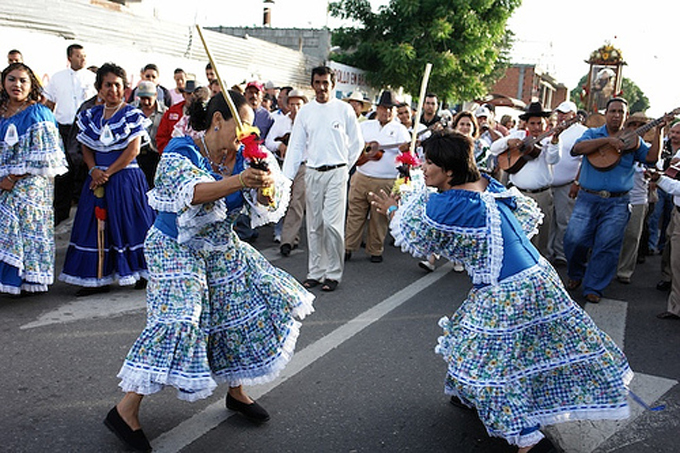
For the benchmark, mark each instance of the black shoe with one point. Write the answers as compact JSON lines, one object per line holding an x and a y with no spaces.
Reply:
{"x":141,"y":283}
{"x":135,"y":440}
{"x":253,"y":411}
{"x":285,"y":249}
{"x":87,"y":291}
{"x":458,"y":403}
{"x":663,"y":285}
{"x":348,"y":255}
{"x":376,"y":258}
{"x":544,"y":446}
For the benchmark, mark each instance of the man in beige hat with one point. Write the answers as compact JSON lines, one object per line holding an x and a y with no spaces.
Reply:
{"x":359,"y":104}
{"x":288,"y":229}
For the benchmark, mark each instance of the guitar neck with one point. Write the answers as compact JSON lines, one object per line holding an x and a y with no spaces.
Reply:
{"x":652,"y":124}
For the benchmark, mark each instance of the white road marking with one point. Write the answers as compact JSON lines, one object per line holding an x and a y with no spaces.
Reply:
{"x":192,"y":429}
{"x":115,"y":303}
{"x":586,"y":436}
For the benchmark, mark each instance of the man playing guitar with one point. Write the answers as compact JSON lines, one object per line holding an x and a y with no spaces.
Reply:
{"x":535,"y":177}
{"x":601,"y":212}
{"x":374,"y":175}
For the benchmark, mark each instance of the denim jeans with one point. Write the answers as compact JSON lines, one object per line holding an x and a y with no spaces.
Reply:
{"x":658,"y":221}
{"x":597,"y":225}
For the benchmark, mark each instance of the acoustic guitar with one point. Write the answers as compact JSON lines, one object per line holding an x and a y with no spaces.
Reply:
{"x":513,"y":159}
{"x":608,"y":156}
{"x":373,"y":151}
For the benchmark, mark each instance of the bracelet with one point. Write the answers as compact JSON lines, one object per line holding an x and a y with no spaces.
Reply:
{"x":576,"y":182}
{"x":10,"y":179}
{"x":96,"y":167}
{"x":240,"y":178}
{"x":391,"y":209}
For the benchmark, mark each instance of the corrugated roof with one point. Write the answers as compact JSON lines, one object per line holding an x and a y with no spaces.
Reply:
{"x":92,"y":22}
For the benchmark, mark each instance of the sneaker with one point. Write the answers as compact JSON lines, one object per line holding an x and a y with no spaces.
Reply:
{"x":458,"y":266}
{"x":427,"y":266}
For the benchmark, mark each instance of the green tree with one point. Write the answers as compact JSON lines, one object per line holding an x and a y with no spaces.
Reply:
{"x":465,"y":40}
{"x":637,"y":101}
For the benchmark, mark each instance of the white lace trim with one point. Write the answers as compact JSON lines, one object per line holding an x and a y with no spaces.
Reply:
{"x":128,"y":280}
{"x":261,"y":215}
{"x":23,"y":169}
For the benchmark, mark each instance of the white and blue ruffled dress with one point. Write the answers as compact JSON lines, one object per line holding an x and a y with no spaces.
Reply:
{"x":128,"y":215}
{"x":519,"y":349}
{"x":217,"y":311}
{"x":30,"y":146}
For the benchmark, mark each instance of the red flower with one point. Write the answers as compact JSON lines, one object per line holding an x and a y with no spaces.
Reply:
{"x":408,"y":159}
{"x":100,"y":213}
{"x":252,"y":149}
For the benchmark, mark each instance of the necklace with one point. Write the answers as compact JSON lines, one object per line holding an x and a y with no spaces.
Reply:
{"x":5,"y":109}
{"x":221,"y":167}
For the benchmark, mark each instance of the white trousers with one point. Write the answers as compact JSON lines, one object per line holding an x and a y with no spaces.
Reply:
{"x":326,"y":204}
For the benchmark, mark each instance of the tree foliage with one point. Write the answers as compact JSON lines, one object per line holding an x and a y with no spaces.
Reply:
{"x":637,"y":101}
{"x":465,"y":40}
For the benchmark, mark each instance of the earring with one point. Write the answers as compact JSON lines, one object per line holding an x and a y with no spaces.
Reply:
{"x":217,"y":128}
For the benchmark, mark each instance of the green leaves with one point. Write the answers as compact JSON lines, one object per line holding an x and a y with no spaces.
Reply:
{"x":463,"y":39}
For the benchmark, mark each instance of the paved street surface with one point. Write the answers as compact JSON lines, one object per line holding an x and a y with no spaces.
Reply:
{"x":365,"y":377}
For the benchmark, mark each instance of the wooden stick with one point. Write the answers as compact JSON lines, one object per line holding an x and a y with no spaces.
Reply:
{"x":234,"y":112}
{"x":419,"y":110}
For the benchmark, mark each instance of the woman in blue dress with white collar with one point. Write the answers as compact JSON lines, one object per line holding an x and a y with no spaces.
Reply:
{"x":519,"y":350}
{"x":113,"y":217}
{"x":31,"y":156}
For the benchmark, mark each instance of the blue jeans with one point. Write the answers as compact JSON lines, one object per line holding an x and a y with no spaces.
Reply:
{"x":659,"y":219}
{"x":598,"y":224}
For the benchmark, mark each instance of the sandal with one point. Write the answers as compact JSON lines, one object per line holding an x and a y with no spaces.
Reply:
{"x":311,"y":283}
{"x":667,"y":315}
{"x":329,"y":285}
{"x":573,"y":284}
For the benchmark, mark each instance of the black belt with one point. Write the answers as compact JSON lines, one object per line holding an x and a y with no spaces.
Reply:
{"x":562,"y":185}
{"x":328,"y":167}
{"x":542,"y":189}
{"x":605,"y":193}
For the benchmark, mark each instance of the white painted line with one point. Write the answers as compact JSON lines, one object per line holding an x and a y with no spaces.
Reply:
{"x":585,"y":436}
{"x":610,"y":316}
{"x":195,"y":427}
{"x":115,"y":303}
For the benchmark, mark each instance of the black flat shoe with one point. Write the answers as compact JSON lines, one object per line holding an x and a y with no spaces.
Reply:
{"x":458,"y":403}
{"x":135,"y":440}
{"x":253,"y":411}
{"x":87,"y":291}
{"x":544,"y":446}
{"x":141,"y":283}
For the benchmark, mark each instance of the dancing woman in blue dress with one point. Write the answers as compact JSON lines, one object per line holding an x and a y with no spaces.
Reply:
{"x":113,"y":217}
{"x":217,"y":311}
{"x":519,"y":349}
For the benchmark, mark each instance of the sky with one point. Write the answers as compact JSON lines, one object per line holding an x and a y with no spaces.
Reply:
{"x":557,"y":35}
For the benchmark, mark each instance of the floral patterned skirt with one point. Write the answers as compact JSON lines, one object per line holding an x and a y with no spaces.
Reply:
{"x":27,"y":236}
{"x":524,"y":354}
{"x":213,"y":316}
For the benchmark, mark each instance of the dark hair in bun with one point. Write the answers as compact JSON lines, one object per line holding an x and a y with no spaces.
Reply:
{"x":201,"y":113}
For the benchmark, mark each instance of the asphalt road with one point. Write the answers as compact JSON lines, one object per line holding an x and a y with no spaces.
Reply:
{"x":365,"y":376}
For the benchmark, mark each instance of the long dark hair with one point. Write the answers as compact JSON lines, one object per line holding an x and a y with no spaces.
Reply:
{"x":36,"y":90}
{"x":452,"y":152}
{"x":201,"y":114}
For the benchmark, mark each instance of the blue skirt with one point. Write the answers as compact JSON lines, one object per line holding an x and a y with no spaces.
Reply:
{"x":128,"y":218}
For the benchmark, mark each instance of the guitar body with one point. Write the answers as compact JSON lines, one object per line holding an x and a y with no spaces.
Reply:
{"x":608,"y":157}
{"x":371,"y":152}
{"x":513,"y":159}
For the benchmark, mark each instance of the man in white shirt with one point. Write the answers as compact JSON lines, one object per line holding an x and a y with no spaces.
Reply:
{"x":535,"y":177}
{"x":65,"y":92}
{"x":326,"y":134}
{"x":277,"y":143}
{"x":565,"y":181}
{"x":374,"y":176}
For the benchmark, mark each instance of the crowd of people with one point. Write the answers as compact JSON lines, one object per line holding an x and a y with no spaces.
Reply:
{"x":170,"y":188}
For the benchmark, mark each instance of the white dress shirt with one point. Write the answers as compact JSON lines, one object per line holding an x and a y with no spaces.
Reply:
{"x":537,"y":173}
{"x":68,"y":89}
{"x":566,"y":169}
{"x":391,"y":133}
{"x":282,"y":125}
{"x":323,"y":134}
